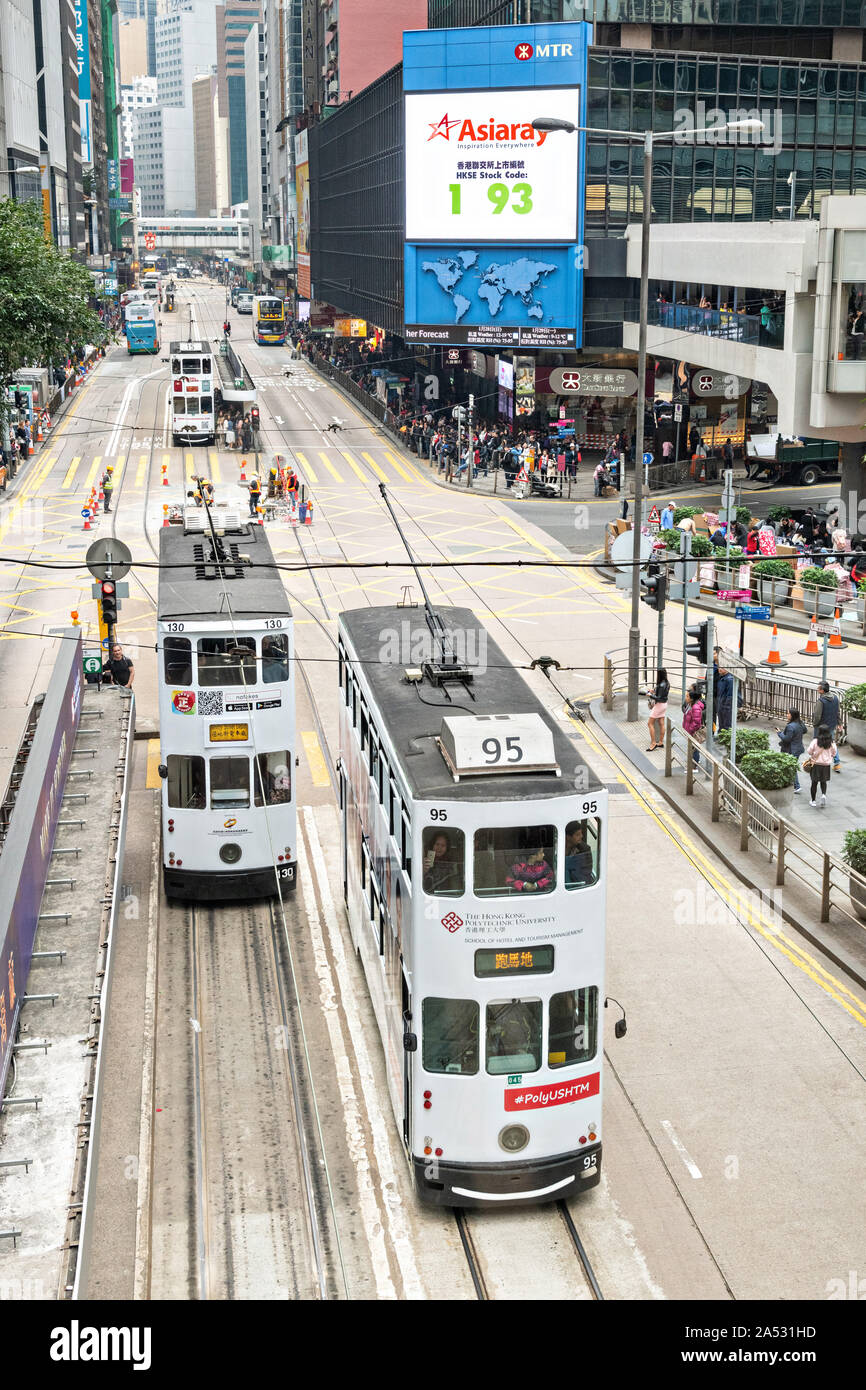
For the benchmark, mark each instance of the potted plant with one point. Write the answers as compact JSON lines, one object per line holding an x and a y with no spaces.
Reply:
{"x":772,"y":774}
{"x":702,"y":547}
{"x":748,"y":741}
{"x":778,"y":512}
{"x":680,"y":513}
{"x":725,"y":561}
{"x":671,"y":538}
{"x":773,"y":580}
{"x":854,"y":854}
{"x":819,"y":591}
{"x":743,"y":515}
{"x":854,"y":705}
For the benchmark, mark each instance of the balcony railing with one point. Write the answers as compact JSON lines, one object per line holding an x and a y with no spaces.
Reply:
{"x":715,"y":323}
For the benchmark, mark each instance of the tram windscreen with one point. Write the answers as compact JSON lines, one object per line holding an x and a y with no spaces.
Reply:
{"x":229,"y":783}
{"x":226,"y":661}
{"x":581,"y":852}
{"x":185,"y":782}
{"x":514,"y":1036}
{"x":573,"y":1030}
{"x":518,"y":860}
{"x":449,"y":1029}
{"x":177,"y":660}
{"x":444,"y":856}
{"x":273,"y":779}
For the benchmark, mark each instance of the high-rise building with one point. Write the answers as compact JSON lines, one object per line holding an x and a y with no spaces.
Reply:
{"x":354,"y":42}
{"x":140,"y":92}
{"x":234,"y":20}
{"x":132,"y":49}
{"x":210,"y":142}
{"x":258,"y":182}
{"x":146,"y":10}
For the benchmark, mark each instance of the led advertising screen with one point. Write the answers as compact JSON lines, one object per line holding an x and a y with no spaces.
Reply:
{"x":494,"y":207}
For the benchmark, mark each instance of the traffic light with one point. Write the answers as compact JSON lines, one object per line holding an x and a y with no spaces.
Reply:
{"x":656,"y":584}
{"x":699,"y":648}
{"x":108,"y":602}
{"x":254,"y":417}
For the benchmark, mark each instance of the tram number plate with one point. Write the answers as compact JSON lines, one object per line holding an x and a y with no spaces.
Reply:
{"x":229,"y":733}
{"x":286,"y":871}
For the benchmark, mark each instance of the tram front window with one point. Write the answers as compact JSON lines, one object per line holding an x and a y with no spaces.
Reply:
{"x":273,"y":779}
{"x":185,"y":782}
{"x":449,"y":1030}
{"x":443,"y":853}
{"x":519,"y":860}
{"x":573,"y":1030}
{"x":514,"y":1036}
{"x":275,"y":659}
{"x":581,"y":853}
{"x":226,"y":661}
{"x":229,"y":783}
{"x":177,"y":660}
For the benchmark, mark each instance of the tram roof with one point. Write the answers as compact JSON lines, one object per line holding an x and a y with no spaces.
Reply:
{"x":255,"y":591}
{"x":413,"y":726}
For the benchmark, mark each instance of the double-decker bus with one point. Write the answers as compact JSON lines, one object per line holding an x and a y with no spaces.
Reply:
{"x":192,"y":386}
{"x":140,"y":327}
{"x":269,"y":319}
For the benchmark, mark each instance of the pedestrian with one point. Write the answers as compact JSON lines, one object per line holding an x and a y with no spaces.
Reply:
{"x":107,"y":487}
{"x":120,"y":669}
{"x":693,"y":718}
{"x":658,"y":703}
{"x":597,"y":477}
{"x":827,"y":712}
{"x":230,"y":432}
{"x":724,"y":694}
{"x":791,"y":739}
{"x":819,"y":755}
{"x":728,"y":453}
{"x":667,"y":520}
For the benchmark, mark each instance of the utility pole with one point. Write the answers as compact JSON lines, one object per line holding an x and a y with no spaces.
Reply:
{"x":685,"y":551}
{"x":711,"y":642}
{"x":634,"y":627}
{"x":471,"y":449}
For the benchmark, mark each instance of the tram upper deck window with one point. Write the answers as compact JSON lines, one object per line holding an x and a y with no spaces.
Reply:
{"x":229,"y":783}
{"x":193,"y":366}
{"x":443,"y":853}
{"x":185,"y":782}
{"x":514,"y":1036}
{"x":275,"y":659}
{"x":581,"y":853}
{"x":573,"y":1028}
{"x":273,"y":779}
{"x":175,"y":366}
{"x":226,"y":661}
{"x":177,"y":660}
{"x":180,"y":405}
{"x":519,"y":860}
{"x":449,"y":1036}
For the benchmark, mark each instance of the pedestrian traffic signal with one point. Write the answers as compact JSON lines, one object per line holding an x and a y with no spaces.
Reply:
{"x":655,"y":581}
{"x":699,"y":648}
{"x":108,"y":601}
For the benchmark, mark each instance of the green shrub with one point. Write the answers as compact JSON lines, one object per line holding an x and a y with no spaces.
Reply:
{"x":680,"y":513}
{"x":671,"y":538}
{"x":778,"y":513}
{"x":735,"y":552}
{"x":854,"y":701}
{"x":743,"y":515}
{"x":702,"y":547}
{"x":861,"y":586}
{"x":813,"y":577}
{"x":769,"y":771}
{"x":773,"y":569}
{"x":854,"y":850}
{"x":748,"y":741}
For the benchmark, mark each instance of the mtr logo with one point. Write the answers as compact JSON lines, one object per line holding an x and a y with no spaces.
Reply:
{"x":524,"y":51}
{"x":487,"y":131}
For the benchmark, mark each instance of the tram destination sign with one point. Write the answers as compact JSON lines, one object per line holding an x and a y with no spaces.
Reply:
{"x":229,"y":733}
{"x":534,"y":960}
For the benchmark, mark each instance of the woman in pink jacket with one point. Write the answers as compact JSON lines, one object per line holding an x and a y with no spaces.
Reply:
{"x":822,"y":751}
{"x":693,"y":719}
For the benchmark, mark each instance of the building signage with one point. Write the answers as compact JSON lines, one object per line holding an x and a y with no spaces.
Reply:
{"x":596,"y":381}
{"x":82,"y":45}
{"x":302,"y":194}
{"x":706,"y":383}
{"x":506,"y":374}
{"x":524,"y":385}
{"x":494,"y":207}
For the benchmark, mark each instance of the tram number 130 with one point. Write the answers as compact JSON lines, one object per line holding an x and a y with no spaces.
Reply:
{"x":286,"y":871}
{"x":495,"y":753}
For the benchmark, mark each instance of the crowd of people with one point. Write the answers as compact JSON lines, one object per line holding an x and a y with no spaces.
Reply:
{"x":236,"y":430}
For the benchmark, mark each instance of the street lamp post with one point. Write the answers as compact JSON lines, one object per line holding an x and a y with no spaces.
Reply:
{"x":648,"y":139}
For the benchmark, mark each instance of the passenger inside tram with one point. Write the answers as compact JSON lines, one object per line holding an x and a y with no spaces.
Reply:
{"x":443,"y":861}
{"x":275,"y":659}
{"x":579,"y":864}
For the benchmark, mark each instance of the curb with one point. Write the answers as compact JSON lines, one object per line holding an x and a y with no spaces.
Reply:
{"x":814,"y":933}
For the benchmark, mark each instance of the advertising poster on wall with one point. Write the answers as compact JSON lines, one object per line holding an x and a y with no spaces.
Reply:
{"x":494,"y":207}
{"x":302,"y":194}
{"x":82,"y":45}
{"x":524,"y":385}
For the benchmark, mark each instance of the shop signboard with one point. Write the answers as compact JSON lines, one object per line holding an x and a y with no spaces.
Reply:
{"x":82,"y":45}
{"x":494,"y":208}
{"x":592,"y":381}
{"x":302,"y":194}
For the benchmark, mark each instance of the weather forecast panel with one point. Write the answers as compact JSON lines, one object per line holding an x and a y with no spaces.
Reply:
{"x":477,"y":169}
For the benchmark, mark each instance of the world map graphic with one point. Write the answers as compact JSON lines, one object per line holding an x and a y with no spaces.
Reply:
{"x":524,"y":278}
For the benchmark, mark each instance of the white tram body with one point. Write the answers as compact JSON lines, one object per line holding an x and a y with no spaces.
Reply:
{"x":226,"y":712}
{"x":473,"y":856}
{"x":192,"y":388}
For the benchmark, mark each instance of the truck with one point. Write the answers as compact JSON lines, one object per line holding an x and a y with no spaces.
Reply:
{"x":792,"y":460}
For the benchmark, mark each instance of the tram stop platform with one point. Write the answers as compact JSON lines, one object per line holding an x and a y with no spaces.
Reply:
{"x":62,"y":831}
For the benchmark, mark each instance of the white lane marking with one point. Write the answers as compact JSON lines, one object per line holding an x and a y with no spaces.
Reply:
{"x":370,"y":1210}
{"x":681,"y":1149}
{"x":380,"y":1128}
{"x":165,"y":417}
{"x":138,"y":381}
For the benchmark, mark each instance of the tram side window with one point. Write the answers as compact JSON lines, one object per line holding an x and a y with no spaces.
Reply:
{"x":518,"y":860}
{"x":273,"y":779}
{"x":177,"y":660}
{"x":179,"y":405}
{"x":206,"y":405}
{"x":365,"y":728}
{"x":275,"y":659}
{"x":405,"y":843}
{"x":175,"y":366}
{"x":514,"y":1036}
{"x":374,"y":761}
{"x":185,"y":782}
{"x":229,"y":783}
{"x":449,"y":1029}
{"x":444,"y":856}
{"x":582,"y":842}
{"x":226,"y":661}
{"x":573,"y":1030}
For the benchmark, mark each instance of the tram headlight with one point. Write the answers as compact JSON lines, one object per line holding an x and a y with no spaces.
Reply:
{"x":513,"y":1138}
{"x":230,"y":854}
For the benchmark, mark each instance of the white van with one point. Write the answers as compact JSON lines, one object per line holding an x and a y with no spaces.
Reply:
{"x":245,"y":303}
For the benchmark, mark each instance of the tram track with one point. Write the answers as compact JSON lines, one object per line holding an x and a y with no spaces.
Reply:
{"x":490,"y":1240}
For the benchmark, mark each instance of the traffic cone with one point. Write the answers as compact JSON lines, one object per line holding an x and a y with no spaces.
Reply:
{"x":30,"y":448}
{"x":773,"y":658}
{"x":39,"y":435}
{"x":308,"y":519}
{"x":46,"y":423}
{"x":101,"y":493}
{"x":165,"y":515}
{"x":836,"y":643}
{"x":243,"y":470}
{"x":811,"y":648}
{"x":86,"y":526}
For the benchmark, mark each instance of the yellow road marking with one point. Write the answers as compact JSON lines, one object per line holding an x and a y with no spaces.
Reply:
{"x":215,"y":474}
{"x":92,"y":472}
{"x":305,"y":465}
{"x":118,"y":467}
{"x":416,"y":472}
{"x":738,"y":905}
{"x":152,"y":778}
{"x":375,"y":467}
{"x":330,"y":467}
{"x":399,"y":467}
{"x":71,"y":471}
{"x":316,"y":759}
{"x":189,"y":465}
{"x":140,"y":471}
{"x":352,"y":464}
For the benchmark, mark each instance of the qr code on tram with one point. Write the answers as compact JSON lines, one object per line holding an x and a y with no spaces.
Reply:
{"x":210,"y":702}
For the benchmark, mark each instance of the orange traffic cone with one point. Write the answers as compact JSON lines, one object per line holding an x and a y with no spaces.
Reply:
{"x":243,"y":470}
{"x":811,"y":648}
{"x":308,"y":519}
{"x":165,"y":515}
{"x":46,"y":423}
{"x":773,"y":658}
{"x":30,"y":448}
{"x":86,"y":526}
{"x":836,"y":643}
{"x":39,"y":435}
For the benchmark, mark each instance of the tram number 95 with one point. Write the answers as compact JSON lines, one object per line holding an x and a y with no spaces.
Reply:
{"x":494,"y":752}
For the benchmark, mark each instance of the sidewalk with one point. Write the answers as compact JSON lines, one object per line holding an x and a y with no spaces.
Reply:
{"x":843,"y":943}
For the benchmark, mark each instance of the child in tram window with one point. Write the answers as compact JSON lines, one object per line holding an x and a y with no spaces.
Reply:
{"x":531,"y":875}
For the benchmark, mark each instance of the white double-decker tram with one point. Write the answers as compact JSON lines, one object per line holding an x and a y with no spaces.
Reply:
{"x":226,"y":711}
{"x":474,"y":845}
{"x":192,"y":390}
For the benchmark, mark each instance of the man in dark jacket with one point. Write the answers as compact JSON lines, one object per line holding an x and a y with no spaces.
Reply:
{"x":827,"y":712}
{"x":725,"y":698}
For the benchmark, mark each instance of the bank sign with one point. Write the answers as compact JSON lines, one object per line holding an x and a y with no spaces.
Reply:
{"x":494,"y":207}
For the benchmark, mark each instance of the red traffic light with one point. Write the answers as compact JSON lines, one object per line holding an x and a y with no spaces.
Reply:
{"x":107,"y":587}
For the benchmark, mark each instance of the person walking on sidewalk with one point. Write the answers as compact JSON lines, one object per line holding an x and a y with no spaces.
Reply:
{"x":658,"y":700}
{"x":693,"y":718}
{"x":820,"y":753}
{"x":791,"y":739}
{"x":827,"y":712}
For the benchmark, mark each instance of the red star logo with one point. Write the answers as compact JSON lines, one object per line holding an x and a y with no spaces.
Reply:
{"x":442,"y":128}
